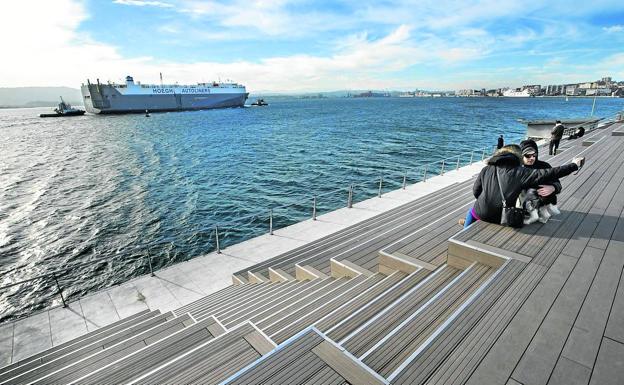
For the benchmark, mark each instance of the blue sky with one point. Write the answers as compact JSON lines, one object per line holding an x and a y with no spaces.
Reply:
{"x":281,"y":45}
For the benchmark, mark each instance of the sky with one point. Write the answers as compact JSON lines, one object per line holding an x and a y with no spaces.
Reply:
{"x":309,"y":46}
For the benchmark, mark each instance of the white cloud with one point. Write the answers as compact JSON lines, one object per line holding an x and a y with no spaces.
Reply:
{"x":614,"y":28}
{"x":142,"y":3}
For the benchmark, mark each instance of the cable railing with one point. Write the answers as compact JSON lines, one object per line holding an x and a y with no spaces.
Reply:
{"x":420,"y":173}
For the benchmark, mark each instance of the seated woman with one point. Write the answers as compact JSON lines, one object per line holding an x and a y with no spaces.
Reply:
{"x":539,"y":201}
{"x":506,"y":166}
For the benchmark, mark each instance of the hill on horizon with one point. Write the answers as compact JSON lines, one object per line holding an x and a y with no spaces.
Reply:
{"x":38,"y":96}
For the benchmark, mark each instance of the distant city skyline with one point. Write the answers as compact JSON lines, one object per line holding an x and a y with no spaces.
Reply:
{"x":309,"y":46}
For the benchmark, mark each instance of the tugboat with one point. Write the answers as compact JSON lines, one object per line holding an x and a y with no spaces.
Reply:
{"x":63,"y":109}
{"x":260,"y":103}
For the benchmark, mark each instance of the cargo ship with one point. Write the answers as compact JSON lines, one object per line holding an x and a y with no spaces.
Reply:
{"x":131,"y":97}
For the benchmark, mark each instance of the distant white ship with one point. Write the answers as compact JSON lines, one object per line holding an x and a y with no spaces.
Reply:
{"x":115,"y":98}
{"x":512,"y":93}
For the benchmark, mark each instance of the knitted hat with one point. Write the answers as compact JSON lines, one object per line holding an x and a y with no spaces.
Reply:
{"x":528,"y":147}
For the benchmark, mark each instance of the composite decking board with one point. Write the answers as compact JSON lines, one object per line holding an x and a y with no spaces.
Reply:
{"x":345,"y":235}
{"x":300,"y":301}
{"x":254,"y":308}
{"x":469,"y":352}
{"x":254,"y":290}
{"x":207,"y":359}
{"x":370,"y":244}
{"x":609,"y":368}
{"x":584,"y":339}
{"x":421,"y":367}
{"x":313,"y":304}
{"x":265,"y":369}
{"x":325,"y":376}
{"x":615,"y":324}
{"x":368,"y":251}
{"x":267,"y":290}
{"x":387,"y":357}
{"x":226,"y":292}
{"x":344,"y":311}
{"x":322,"y":310}
{"x":264,"y":310}
{"x":539,"y":359}
{"x":303,"y":368}
{"x":375,"y":331}
{"x":416,"y":239}
{"x":47,"y":363}
{"x":604,"y":232}
{"x":79,"y":363}
{"x":421,"y":243}
{"x":283,"y":289}
{"x":384,"y":299}
{"x":84,"y":340}
{"x":298,"y":296}
{"x":151,"y":356}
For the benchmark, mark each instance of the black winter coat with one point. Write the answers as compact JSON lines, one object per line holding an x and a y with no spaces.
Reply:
{"x":514,"y":178}
{"x":541,"y":165}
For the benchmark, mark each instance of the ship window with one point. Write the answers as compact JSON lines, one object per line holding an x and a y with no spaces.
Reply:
{"x":88,"y":97}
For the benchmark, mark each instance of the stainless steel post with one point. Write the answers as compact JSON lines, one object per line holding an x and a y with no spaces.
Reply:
{"x":442,"y":169}
{"x":217,"y":239}
{"x":483,"y":155}
{"x":471,"y":156}
{"x":458,"y":159}
{"x":425,"y":174}
{"x":404,"y":180}
{"x":149,"y":261}
{"x":270,"y":221}
{"x":350,"y":199}
{"x":314,"y":208}
{"x":380,"y":186}
{"x":60,"y":292}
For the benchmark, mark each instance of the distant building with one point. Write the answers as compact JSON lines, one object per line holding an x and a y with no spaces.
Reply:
{"x":572,"y":90}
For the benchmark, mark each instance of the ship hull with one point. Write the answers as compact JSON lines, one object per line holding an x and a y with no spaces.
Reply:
{"x":103,"y":99}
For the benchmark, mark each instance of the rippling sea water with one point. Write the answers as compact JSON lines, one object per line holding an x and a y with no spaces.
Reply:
{"x":78,"y":191}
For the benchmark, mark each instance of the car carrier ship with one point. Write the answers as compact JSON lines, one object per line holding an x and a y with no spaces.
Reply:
{"x":131,"y":97}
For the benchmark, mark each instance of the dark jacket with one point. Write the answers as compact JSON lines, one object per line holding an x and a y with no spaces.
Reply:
{"x":514,"y":178}
{"x":557,"y":132}
{"x":541,"y":165}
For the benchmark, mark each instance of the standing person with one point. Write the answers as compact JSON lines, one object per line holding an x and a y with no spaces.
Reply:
{"x":540,"y":200}
{"x":555,"y":137}
{"x":506,"y":166}
{"x":501,"y":143}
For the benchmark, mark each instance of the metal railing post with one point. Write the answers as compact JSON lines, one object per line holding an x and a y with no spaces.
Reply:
{"x":58,"y":287}
{"x":458,"y":159}
{"x":217,"y":239}
{"x":404,"y":180}
{"x":442,"y":169}
{"x":314,"y":208}
{"x":483,"y":155}
{"x":471,"y":156}
{"x":270,"y":221}
{"x":149,"y":261}
{"x":350,"y":199}
{"x":380,"y":186}
{"x":425,"y":174}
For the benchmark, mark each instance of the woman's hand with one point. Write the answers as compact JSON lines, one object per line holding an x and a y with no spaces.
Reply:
{"x":545,"y":190}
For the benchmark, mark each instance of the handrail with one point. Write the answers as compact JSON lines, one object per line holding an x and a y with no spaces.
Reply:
{"x":422,"y":170}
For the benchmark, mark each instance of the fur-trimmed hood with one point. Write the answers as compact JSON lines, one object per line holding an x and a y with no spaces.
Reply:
{"x":510,"y":155}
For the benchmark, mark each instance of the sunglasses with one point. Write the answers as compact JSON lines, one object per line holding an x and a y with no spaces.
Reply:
{"x":528,"y":156}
